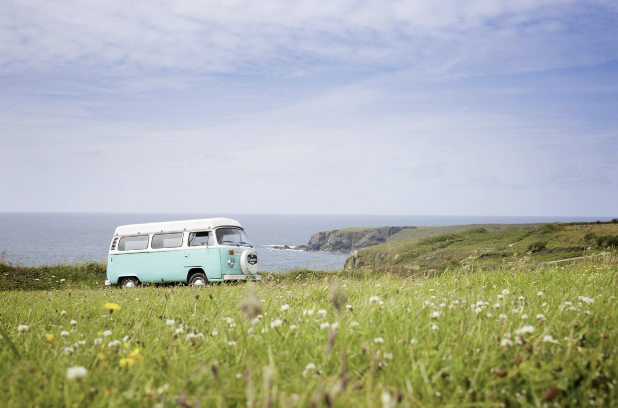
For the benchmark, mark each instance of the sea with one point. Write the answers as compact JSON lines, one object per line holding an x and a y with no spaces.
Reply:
{"x":31,"y":239}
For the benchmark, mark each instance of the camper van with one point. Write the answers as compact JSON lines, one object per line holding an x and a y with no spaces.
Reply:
{"x":194,"y":252}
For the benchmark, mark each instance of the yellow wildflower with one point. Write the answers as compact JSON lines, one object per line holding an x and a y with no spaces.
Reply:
{"x":133,"y":357}
{"x":49,"y":337}
{"x":101,"y":356}
{"x":111,"y":306}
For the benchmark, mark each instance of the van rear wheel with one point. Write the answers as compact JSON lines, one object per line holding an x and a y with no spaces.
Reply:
{"x":128,"y":283}
{"x":197,"y":279}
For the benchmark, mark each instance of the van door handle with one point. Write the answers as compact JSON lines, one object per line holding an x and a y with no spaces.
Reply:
{"x":186,"y":255}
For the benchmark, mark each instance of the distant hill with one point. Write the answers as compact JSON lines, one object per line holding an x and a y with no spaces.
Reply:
{"x":486,"y":246}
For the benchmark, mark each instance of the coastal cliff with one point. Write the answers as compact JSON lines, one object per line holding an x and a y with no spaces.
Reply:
{"x":346,"y":239}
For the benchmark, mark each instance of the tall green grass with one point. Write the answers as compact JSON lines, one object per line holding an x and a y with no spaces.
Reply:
{"x":385,"y":340}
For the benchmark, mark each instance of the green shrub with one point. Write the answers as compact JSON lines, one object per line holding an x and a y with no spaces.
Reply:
{"x":590,"y":237}
{"x":537,"y":246}
{"x":607,"y":241}
{"x":550,"y":228}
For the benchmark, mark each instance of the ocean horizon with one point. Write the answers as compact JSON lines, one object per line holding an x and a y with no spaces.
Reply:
{"x":36,"y":238}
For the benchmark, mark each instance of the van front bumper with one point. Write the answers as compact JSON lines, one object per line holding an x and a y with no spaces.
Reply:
{"x":242,"y":277}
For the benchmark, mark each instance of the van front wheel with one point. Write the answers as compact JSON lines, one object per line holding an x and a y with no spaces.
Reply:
{"x":197,"y":279}
{"x":129,"y":283}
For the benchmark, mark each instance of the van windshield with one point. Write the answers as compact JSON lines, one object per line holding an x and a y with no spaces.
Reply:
{"x":232,"y":236}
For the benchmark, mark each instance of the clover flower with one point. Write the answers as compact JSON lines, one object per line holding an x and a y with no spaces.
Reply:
{"x":76,"y":373}
{"x":354,"y":325}
{"x":349,"y":307}
{"x":107,"y":333}
{"x":64,"y":333}
{"x":525,"y":330}
{"x":308,"y":369}
{"x":293,"y":327}
{"x":505,"y":292}
{"x":374,"y":300}
{"x":170,"y":322}
{"x":321,"y":313}
{"x":179,"y":330}
{"x":285,"y":308}
{"x":63,"y":313}
{"x":378,"y":340}
{"x":324,"y":325}
{"x":435,"y":315}
{"x":540,"y":317}
{"x":214,"y":333}
{"x":586,"y":300}
{"x":496,"y":305}
{"x":434,"y":327}
{"x":22,"y":328}
{"x":114,"y":343}
{"x":276,"y":323}
{"x":549,"y":339}
{"x":68,"y":351}
{"x":73,"y":322}
{"x":506,"y":342}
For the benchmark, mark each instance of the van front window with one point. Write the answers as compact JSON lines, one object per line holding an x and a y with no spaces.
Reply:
{"x":232,"y":236}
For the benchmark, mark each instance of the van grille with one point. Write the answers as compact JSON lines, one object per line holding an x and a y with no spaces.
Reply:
{"x":114,"y":243}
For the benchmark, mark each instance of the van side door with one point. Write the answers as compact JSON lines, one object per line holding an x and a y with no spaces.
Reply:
{"x":202,"y":253}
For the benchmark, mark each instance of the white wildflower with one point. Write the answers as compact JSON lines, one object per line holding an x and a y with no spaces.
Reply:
{"x":525,"y":330}
{"x":478,"y":310}
{"x":285,"y":308}
{"x":255,"y":321}
{"x":506,"y":342}
{"x":98,"y":341}
{"x":324,"y":325}
{"x":434,"y":327}
{"x":308,"y":369}
{"x":414,"y":342}
{"x":349,"y":307}
{"x":64,"y":333}
{"x":22,"y":328}
{"x":125,"y":339}
{"x":63,"y":313}
{"x":500,"y":297}
{"x":107,"y":333}
{"x":374,"y":300}
{"x":524,"y":316}
{"x":81,"y":343}
{"x":76,"y":373}
{"x":321,"y":313}
{"x":388,"y":356}
{"x":549,"y":339}
{"x":73,"y":322}
{"x":378,"y":340}
{"x":540,"y":294}
{"x":190,"y":336}
{"x":496,"y":305}
{"x":214,"y":333}
{"x":231,"y":343}
{"x":586,"y":300}
{"x":170,"y":322}
{"x":540,"y":317}
{"x":435,"y":315}
{"x":308,"y":312}
{"x":293,"y":327}
{"x":179,"y":330}
{"x":276,"y":323}
{"x":488,"y":315}
{"x":68,"y":350}
{"x":505,"y":292}
{"x":114,"y":343}
{"x":354,"y":325}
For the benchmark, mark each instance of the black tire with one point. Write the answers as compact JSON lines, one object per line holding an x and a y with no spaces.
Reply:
{"x":128,"y":283}
{"x":197,"y":279}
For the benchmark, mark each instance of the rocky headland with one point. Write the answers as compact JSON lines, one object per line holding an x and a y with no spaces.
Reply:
{"x":347,"y":239}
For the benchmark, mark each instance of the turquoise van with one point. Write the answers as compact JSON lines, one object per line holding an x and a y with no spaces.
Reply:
{"x":194,"y":252}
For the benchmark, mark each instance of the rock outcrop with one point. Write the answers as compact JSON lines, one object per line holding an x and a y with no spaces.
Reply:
{"x":345,"y":240}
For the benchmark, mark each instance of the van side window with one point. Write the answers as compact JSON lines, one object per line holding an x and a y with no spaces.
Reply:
{"x":160,"y":241}
{"x":202,"y":238}
{"x":133,"y":243}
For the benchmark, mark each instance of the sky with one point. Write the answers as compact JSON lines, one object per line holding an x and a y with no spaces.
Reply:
{"x":446,"y":107}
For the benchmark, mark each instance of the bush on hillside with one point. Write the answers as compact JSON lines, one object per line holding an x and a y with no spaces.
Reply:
{"x":537,"y":246}
{"x":607,"y":241}
{"x":590,"y":237}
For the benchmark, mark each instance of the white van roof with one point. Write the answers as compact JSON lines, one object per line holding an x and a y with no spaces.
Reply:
{"x":175,"y":226}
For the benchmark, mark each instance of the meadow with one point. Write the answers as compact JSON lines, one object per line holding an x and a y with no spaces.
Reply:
{"x":521,"y":335}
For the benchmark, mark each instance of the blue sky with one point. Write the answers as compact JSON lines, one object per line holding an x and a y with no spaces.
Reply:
{"x":363,"y":107}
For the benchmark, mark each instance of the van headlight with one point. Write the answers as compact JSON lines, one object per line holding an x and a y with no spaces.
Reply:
{"x":231,"y":263}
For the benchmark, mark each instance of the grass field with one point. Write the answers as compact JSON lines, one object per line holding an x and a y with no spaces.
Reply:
{"x":516,"y":336}
{"x":489,"y":247}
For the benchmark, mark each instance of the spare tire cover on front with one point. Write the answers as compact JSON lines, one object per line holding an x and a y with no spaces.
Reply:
{"x":249,"y":262}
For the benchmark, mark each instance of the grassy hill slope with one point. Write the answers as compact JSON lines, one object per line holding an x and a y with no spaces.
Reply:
{"x":483,"y":247}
